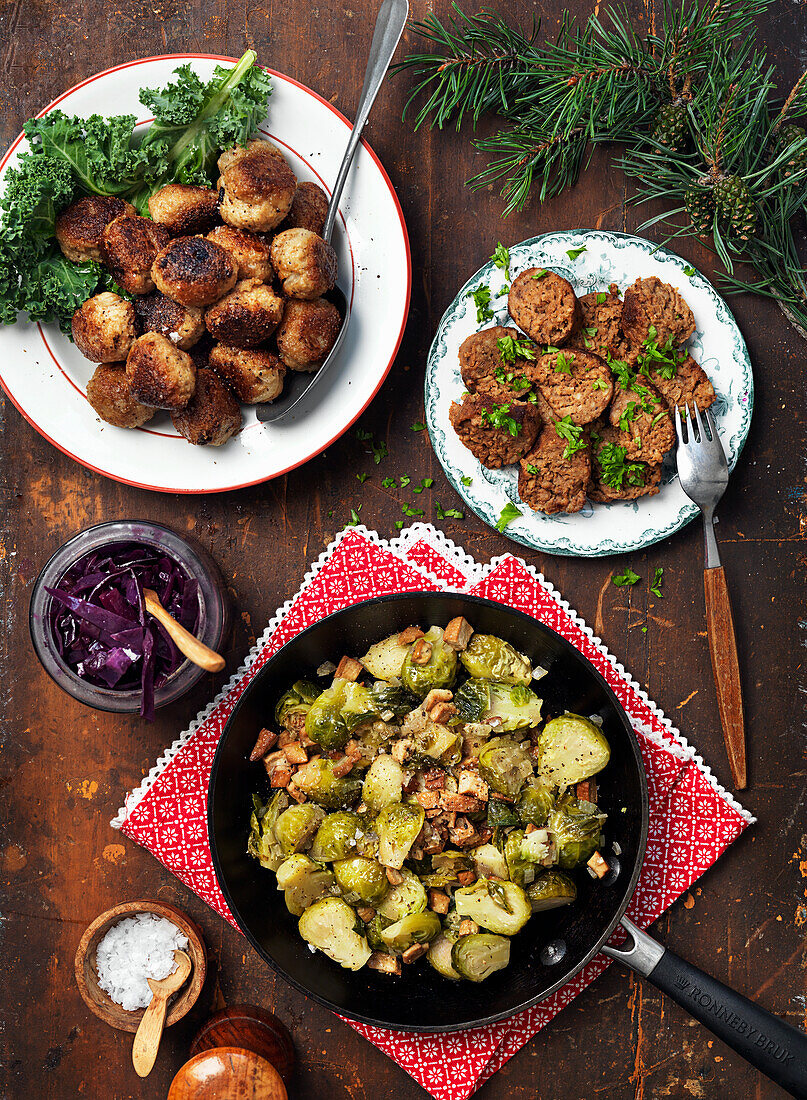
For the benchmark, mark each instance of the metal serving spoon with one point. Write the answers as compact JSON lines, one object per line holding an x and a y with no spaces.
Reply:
{"x":388,"y":30}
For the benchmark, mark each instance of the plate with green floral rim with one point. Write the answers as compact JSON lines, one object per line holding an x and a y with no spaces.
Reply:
{"x":590,"y":260}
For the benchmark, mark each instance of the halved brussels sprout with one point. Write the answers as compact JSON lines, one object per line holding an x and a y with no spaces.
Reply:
{"x":522,"y":871}
{"x":303,"y":882}
{"x":500,"y":907}
{"x":537,"y":847}
{"x":505,"y":764}
{"x":508,"y":707}
{"x":438,"y":743}
{"x":535,"y":803}
{"x":416,"y":928}
{"x":297,"y":700}
{"x":403,"y":900}
{"x":550,"y":890}
{"x":576,"y":829}
{"x":317,"y":781}
{"x":373,"y":931}
{"x":385,"y":659}
{"x":446,"y":866}
{"x":571,"y":749}
{"x":439,"y":955}
{"x":440,"y":670}
{"x":383,"y":783}
{"x":478,"y":956}
{"x":337,"y":836}
{"x":330,"y":926}
{"x":296,"y":826}
{"x":491,"y":658}
{"x":394,"y":698}
{"x":489,"y":862}
{"x":337,"y":712}
{"x":263,"y":844}
{"x":398,"y":826}
{"x":361,"y":880}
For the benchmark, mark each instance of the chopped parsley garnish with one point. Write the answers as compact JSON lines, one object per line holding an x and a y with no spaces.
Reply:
{"x":614,"y":469}
{"x":563,"y":363}
{"x":363,"y":436}
{"x":408,"y":510}
{"x":501,"y":259}
{"x":599,"y":384}
{"x":572,"y":434}
{"x":573,"y":253}
{"x":551,"y":349}
{"x":497,"y":417}
{"x":362,"y":478}
{"x":508,"y":514}
{"x":418,"y":426}
{"x":630,"y":414}
{"x":481,"y":297}
{"x":447,"y":513}
{"x":591,"y":330}
{"x":533,"y":469}
{"x":621,"y":371}
{"x":511,"y":349}
{"x":689,"y":271}
{"x":399,"y":524}
{"x":657,"y":417}
{"x":379,"y":450}
{"x":467,"y":481}
{"x":601,"y":296}
{"x":655,"y":587}
{"x":426,"y":483}
{"x":539,"y":274}
{"x":405,"y":479}
{"x":354,"y":516}
{"x":664,"y":360}
{"x":626,"y":579}
{"x":389,"y":483}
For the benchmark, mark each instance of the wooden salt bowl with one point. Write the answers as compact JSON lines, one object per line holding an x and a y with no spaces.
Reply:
{"x":87,"y":975}
{"x":227,"y":1072}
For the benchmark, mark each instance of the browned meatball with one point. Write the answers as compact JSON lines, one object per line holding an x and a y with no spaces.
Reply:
{"x":109,"y":394}
{"x":304,"y":262}
{"x":613,"y":475}
{"x":79,"y":227}
{"x":643,"y":421}
{"x":129,"y":246}
{"x":254,"y":376}
{"x":599,"y":329}
{"x":308,"y":209}
{"x":498,"y":435}
{"x":258,"y":185}
{"x":552,"y":480}
{"x":245,"y":317}
{"x":688,"y":384}
{"x":249,"y":251}
{"x":183,"y":325}
{"x":104,"y":328}
{"x":184,"y":210}
{"x":212,"y":416}
{"x":485,"y":369}
{"x":656,"y":311}
{"x":194,"y":271}
{"x":160,"y":374}
{"x":307,"y":333}
{"x":574,"y":382}
{"x":544,"y":305}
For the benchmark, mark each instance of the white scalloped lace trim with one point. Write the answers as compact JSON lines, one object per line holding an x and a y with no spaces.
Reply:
{"x":473,"y":572}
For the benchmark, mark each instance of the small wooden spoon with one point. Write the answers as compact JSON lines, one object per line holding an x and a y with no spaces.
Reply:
{"x":194,"y":650}
{"x":148,"y":1035}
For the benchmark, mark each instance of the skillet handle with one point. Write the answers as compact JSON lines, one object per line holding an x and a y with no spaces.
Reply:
{"x":766,"y":1041}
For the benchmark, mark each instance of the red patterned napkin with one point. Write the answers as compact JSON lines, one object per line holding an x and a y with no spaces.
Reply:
{"x":692,"y":819}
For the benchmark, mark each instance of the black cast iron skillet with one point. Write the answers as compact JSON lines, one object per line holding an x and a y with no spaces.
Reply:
{"x":554,"y":945}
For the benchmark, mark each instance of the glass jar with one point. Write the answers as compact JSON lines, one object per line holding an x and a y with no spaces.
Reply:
{"x":214,"y":610}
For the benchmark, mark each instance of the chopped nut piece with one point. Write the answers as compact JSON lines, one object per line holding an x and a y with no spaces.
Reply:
{"x":415,"y":952}
{"x":427,"y":799}
{"x":295,"y":792}
{"x":366,"y":913}
{"x":431,"y":814}
{"x":395,"y":878}
{"x":530,"y":828}
{"x":273,"y":760}
{"x":411,"y":634}
{"x":295,"y":753}
{"x":266,"y":739}
{"x":465,"y":878}
{"x":402,"y":749}
{"x":458,"y":633}
{"x":287,"y":737}
{"x":348,"y":669}
{"x":385,"y":964}
{"x":421,"y":652}
{"x":471,"y":782}
{"x":468,"y":927}
{"x":435,"y":780}
{"x":463,"y":834}
{"x":598,"y":865}
{"x":281,"y":777}
{"x":461,"y":803}
{"x":343,"y":766}
{"x":435,"y":696}
{"x":442,"y":712}
{"x":496,"y":797}
{"x":438,"y":901}
{"x":587,"y":790}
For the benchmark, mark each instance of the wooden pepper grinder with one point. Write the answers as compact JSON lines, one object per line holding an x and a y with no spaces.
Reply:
{"x":241,"y":1053}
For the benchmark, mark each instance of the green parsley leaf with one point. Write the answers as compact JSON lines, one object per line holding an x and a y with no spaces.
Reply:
{"x":354,"y":516}
{"x":380,"y":450}
{"x":655,"y":587}
{"x":426,"y":483}
{"x":389,"y":483}
{"x":573,"y":253}
{"x":591,"y":330}
{"x":363,"y":436}
{"x":539,"y":274}
{"x":362,"y":478}
{"x":599,"y":384}
{"x":399,"y":524}
{"x":481,"y":297}
{"x":572,"y":434}
{"x":600,"y":299}
{"x":501,"y":258}
{"x":563,"y":363}
{"x":497,"y":417}
{"x":508,"y":514}
{"x":689,"y":271}
{"x":533,"y":469}
{"x":418,"y":426}
{"x":467,"y":481}
{"x":405,"y":479}
{"x":511,"y":349}
{"x":408,"y":510}
{"x":630,"y":414}
{"x":448,"y":513}
{"x":628,"y":578}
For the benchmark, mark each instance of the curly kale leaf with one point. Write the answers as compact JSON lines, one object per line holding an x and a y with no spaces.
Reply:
{"x":35,"y":192}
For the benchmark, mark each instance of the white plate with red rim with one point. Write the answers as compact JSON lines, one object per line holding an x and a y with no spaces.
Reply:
{"x":45,"y":376}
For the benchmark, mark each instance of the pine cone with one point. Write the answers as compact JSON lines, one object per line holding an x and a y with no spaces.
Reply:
{"x":789,"y":135}
{"x":735,"y":205}
{"x":670,"y":126}
{"x":700,"y":205}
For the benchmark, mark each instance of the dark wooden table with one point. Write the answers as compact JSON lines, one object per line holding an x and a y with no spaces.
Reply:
{"x":65,"y":768}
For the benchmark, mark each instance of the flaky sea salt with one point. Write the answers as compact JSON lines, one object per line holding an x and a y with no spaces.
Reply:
{"x":133,"y":950}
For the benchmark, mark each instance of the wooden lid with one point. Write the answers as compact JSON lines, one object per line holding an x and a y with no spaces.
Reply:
{"x":227,"y":1072}
{"x":250,"y":1028}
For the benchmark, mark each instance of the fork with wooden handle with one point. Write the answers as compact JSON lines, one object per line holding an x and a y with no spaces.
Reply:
{"x":704,"y":475}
